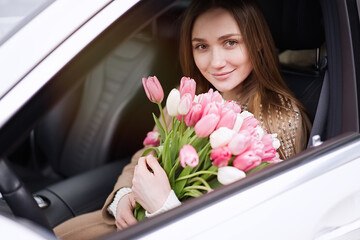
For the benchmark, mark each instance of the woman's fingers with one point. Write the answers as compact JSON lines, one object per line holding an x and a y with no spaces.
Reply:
{"x":153,"y":163}
{"x":124,"y":212}
{"x":125,"y":221}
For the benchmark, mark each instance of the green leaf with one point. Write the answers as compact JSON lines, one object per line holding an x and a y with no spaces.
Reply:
{"x":160,"y":127}
{"x":179,"y":185}
{"x":174,"y":148}
{"x":139,"y":212}
{"x":261,"y":166}
{"x":199,"y":143}
{"x":203,"y":155}
{"x":214,"y":183}
{"x":172,"y":173}
{"x":166,"y":156}
{"x":149,"y":150}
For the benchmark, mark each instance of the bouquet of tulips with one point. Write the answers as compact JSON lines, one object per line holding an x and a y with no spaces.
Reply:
{"x":211,"y":142}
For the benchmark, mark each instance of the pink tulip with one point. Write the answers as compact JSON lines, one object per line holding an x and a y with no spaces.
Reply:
{"x":275,"y":159}
{"x":194,"y":115}
{"x":179,"y":117}
{"x":204,"y":99}
{"x":257,"y":147}
{"x":216,"y":97}
{"x":233,"y":106}
{"x":185,"y":104}
{"x":220,"y":156}
{"x":153,"y":89}
{"x":212,"y":108}
{"x":187,"y":85}
{"x":267,"y":140}
{"x":270,"y":155}
{"x":227,"y":119}
{"x":240,"y":142}
{"x":247,"y":161}
{"x":249,"y":124}
{"x":269,"y":151}
{"x":206,"y":125}
{"x":152,"y":139}
{"x":188,"y":156}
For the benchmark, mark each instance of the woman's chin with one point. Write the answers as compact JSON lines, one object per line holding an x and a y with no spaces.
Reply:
{"x":224,"y":89}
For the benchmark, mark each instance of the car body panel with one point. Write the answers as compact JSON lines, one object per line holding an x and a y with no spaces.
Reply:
{"x":22,"y":230}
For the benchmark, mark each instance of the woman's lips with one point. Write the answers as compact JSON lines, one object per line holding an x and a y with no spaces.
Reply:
{"x":222,"y":75}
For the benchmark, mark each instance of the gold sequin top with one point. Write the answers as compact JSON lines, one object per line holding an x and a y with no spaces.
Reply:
{"x":287,"y":126}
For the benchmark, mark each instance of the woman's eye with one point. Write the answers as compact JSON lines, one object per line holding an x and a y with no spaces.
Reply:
{"x":231,"y":43}
{"x":200,"y":46}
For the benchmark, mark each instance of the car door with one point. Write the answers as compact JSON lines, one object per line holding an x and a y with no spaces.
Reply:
{"x":314,"y":195}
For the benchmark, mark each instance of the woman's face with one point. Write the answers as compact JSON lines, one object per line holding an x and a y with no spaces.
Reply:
{"x":219,"y":51}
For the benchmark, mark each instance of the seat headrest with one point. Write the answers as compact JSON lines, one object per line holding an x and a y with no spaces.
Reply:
{"x":295,"y":24}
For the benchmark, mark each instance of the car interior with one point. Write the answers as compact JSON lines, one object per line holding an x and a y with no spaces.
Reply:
{"x":72,"y":157}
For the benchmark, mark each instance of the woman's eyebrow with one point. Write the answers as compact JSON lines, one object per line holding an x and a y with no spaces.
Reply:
{"x":229,"y":36}
{"x":198,"y":40}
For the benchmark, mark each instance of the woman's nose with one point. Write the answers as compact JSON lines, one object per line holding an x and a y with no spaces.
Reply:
{"x":217,"y":59}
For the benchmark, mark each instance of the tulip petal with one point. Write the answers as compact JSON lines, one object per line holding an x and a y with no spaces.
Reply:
{"x":228,"y":174}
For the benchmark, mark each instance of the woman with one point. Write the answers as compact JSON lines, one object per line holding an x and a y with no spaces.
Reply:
{"x":228,"y":46}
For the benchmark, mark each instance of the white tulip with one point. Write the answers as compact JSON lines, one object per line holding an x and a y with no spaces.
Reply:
{"x":172,"y":102}
{"x":238,"y":122}
{"x":260,"y":131}
{"x":245,"y":114}
{"x":229,"y":174}
{"x":276,"y":142}
{"x":196,"y":99}
{"x":221,"y":137}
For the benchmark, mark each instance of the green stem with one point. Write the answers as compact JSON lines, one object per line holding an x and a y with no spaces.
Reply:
{"x":182,"y":126}
{"x":197,"y":187}
{"x":163,"y":118}
{"x":195,"y":174}
{"x":173,"y":122}
{"x":193,"y":139}
{"x":199,"y":179}
{"x":172,"y":172}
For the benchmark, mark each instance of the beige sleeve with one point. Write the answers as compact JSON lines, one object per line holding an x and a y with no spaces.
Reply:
{"x":125,"y":179}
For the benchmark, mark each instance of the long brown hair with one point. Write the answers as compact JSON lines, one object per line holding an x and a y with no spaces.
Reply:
{"x":264,"y":85}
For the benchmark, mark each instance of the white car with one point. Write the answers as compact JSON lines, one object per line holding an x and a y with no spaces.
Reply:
{"x":73,"y":111}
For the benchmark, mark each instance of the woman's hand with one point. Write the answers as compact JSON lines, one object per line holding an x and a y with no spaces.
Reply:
{"x":151,"y":186}
{"x":124,"y":212}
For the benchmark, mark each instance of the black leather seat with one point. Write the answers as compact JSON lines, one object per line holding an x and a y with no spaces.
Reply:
{"x":297,"y":25}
